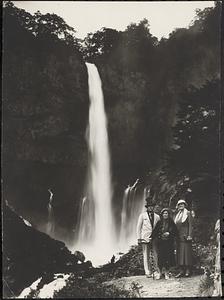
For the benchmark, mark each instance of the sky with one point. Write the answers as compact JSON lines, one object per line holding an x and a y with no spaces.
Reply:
{"x":90,"y":16}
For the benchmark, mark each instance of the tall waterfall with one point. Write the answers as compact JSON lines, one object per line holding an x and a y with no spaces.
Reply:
{"x":96,"y":237}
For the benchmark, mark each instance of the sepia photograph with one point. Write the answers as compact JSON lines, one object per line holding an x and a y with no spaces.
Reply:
{"x":111,"y":139}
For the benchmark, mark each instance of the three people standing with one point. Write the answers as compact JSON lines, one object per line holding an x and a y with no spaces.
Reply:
{"x":158,"y":236}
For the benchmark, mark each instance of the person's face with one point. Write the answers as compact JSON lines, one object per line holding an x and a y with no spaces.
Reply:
{"x":181,"y":206}
{"x":165,"y":215}
{"x":150,"y":208}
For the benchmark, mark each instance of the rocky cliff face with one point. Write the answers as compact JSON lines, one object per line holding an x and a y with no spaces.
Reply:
{"x":29,"y":254}
{"x":45,"y":111}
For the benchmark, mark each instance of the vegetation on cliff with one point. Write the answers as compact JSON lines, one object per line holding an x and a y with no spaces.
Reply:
{"x":162,"y":100}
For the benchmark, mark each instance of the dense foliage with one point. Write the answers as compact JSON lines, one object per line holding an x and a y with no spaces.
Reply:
{"x":162,"y":102}
{"x":92,"y":288}
{"x":45,"y":111}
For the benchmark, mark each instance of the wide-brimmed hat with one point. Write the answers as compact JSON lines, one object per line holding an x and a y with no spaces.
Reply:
{"x":181,"y":201}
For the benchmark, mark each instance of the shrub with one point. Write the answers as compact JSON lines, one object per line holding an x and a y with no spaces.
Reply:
{"x":83,"y":288}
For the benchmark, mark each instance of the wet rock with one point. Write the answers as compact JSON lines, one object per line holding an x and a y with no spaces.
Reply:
{"x":80,"y":256}
{"x":31,"y":254}
{"x":88,"y":264}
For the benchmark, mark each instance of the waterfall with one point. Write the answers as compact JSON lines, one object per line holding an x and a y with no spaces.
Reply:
{"x":96,"y":237}
{"x":97,"y":225}
{"x":133,"y":205}
{"x":124,"y":217}
{"x":50,"y":221}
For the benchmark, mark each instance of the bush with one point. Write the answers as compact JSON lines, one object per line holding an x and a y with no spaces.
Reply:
{"x":87,"y":288}
{"x":206,"y":286}
{"x":204,"y":256}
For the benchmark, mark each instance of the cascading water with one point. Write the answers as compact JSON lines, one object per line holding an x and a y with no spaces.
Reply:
{"x":123,"y":234}
{"x":133,"y":205}
{"x":96,"y":237}
{"x":50,"y":223}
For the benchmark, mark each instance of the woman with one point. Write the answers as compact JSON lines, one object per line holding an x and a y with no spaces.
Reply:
{"x":165,"y":232}
{"x":183,"y":221}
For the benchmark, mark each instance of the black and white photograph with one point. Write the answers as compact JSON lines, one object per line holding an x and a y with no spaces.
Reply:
{"x":111,"y":139}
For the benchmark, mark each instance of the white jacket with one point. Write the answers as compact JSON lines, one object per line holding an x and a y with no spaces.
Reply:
{"x":144,"y":227}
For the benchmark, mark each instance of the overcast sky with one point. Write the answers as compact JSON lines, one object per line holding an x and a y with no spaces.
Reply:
{"x":90,"y":16}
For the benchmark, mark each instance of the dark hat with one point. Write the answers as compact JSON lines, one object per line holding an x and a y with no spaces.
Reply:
{"x":149,"y":202}
{"x":165,"y":209}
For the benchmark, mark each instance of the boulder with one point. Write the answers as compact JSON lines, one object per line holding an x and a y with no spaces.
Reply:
{"x":80,"y":256}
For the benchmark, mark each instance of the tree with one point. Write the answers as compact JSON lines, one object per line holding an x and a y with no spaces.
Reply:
{"x":101,"y":43}
{"x":196,"y":142}
{"x":47,"y":27}
{"x":196,"y":133}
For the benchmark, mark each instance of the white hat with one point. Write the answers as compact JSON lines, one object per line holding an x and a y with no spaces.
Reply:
{"x":181,"y":201}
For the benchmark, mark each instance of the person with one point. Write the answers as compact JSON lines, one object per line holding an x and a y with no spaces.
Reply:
{"x":146,"y":222}
{"x":183,"y":221}
{"x":166,"y":233}
{"x":112,"y":261}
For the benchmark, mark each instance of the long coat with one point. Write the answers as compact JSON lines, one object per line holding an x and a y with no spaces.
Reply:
{"x":166,"y":256}
{"x":144,"y":227}
{"x":184,"y":249}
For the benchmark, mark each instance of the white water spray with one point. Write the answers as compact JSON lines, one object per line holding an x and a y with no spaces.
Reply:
{"x":97,"y":227}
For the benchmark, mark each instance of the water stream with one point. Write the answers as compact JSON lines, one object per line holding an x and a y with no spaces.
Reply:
{"x":96,"y":236}
{"x":99,"y":237}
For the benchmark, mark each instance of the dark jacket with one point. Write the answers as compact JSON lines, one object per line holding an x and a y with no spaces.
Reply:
{"x":159,"y":230}
{"x":166,"y":257}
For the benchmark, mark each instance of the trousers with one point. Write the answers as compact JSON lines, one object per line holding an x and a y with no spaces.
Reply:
{"x":150,"y":260}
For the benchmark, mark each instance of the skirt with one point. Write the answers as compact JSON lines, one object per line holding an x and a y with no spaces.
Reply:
{"x":184,"y":253}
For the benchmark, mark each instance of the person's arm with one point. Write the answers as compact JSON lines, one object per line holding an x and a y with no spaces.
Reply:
{"x":189,"y":226}
{"x":139,"y":227}
{"x":155,"y":231}
{"x":175,"y":232}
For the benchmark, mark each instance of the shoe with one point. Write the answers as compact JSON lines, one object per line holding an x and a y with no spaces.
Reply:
{"x":148,"y":275}
{"x":166,"y":275}
{"x":181,"y":274}
{"x":187,"y":273}
{"x":157,"y":276}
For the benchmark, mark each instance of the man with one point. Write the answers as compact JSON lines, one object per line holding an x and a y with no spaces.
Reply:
{"x":146,"y":222}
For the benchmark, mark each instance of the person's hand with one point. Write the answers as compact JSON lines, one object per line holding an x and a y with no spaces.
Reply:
{"x":166,"y":234}
{"x":139,"y":241}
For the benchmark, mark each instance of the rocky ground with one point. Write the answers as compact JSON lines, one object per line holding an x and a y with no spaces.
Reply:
{"x":182,"y":287}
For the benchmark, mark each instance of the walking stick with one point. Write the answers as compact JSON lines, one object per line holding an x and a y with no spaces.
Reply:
{"x":151,"y":259}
